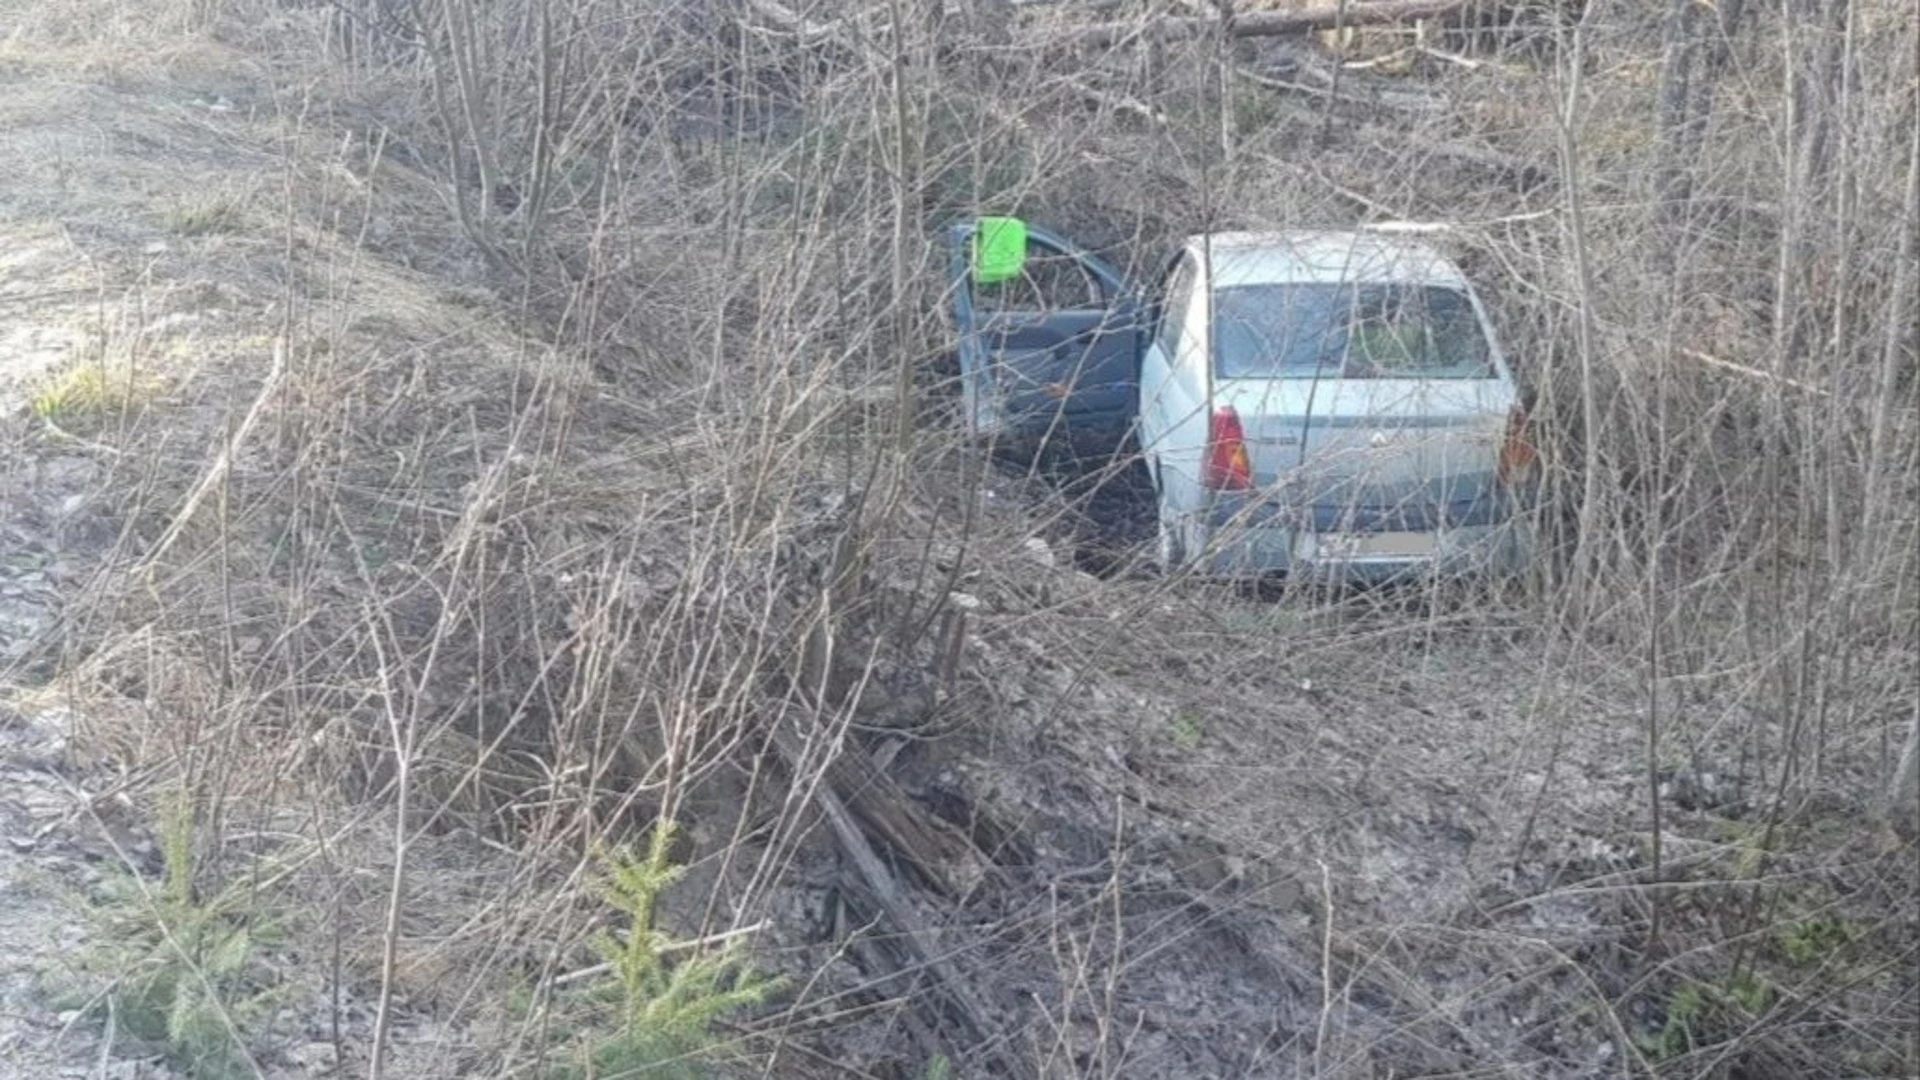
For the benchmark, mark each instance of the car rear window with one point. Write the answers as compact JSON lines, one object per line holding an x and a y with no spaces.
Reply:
{"x":1352,"y":331}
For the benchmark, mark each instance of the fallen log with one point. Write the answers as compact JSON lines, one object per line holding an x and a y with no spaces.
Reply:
{"x":941,"y":855}
{"x":1258,"y":23}
{"x":926,"y":965}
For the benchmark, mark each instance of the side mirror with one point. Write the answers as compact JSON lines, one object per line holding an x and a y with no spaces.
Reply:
{"x":999,"y":249}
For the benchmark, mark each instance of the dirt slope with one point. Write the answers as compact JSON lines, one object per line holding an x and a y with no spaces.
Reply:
{"x":1227,"y":807}
{"x":140,"y":251}
{"x":1200,"y":834}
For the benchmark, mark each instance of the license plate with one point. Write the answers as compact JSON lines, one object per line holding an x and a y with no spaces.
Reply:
{"x":1373,"y":545}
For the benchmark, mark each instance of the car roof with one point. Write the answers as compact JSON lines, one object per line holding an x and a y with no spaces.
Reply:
{"x":1322,"y":255}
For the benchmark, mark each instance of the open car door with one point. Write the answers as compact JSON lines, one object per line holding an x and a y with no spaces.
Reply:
{"x":1050,"y":338}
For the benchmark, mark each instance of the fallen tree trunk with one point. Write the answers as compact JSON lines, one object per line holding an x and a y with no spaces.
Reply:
{"x":1260,"y":23}
{"x":926,"y":966}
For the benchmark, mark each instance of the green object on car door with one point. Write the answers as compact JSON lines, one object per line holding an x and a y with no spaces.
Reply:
{"x":999,"y":249}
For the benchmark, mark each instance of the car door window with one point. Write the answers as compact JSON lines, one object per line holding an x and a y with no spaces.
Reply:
{"x":1049,"y":281}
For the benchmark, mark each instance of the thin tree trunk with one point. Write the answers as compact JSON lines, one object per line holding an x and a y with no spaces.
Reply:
{"x":905,"y":203}
{"x":1673,"y":183}
{"x":1903,"y":795}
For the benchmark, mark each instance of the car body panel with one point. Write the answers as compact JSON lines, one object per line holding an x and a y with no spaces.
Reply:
{"x":1388,"y":455}
{"x":1324,"y":256}
{"x":1338,"y":464}
{"x":1364,"y":466}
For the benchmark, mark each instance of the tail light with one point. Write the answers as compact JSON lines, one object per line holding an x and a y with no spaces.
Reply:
{"x":1519,"y":460}
{"x":1227,"y":467}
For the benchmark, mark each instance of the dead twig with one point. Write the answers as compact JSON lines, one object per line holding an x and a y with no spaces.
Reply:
{"x":1119,"y":102}
{"x":1753,"y":372}
{"x":721,"y":938}
{"x":223,"y":461}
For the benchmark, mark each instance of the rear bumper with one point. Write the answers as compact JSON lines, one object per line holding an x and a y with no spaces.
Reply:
{"x":1488,"y":537}
{"x":1488,"y":507}
{"x":1478,"y":550}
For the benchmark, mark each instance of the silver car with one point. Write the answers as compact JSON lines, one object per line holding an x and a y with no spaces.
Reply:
{"x":1333,"y":404}
{"x":1330,"y":404}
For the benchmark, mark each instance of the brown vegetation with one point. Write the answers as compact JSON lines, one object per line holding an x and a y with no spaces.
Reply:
{"x":519,"y":425}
